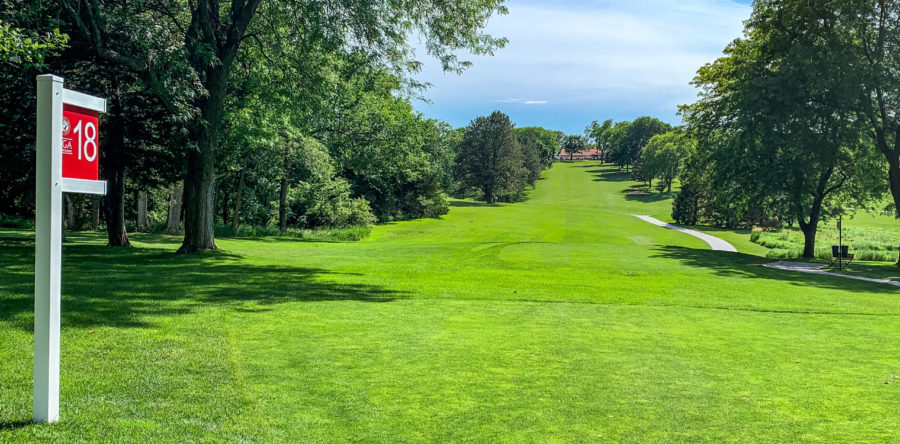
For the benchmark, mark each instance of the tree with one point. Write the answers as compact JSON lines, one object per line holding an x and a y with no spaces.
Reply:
{"x":599,"y":134}
{"x":489,"y":156}
{"x":626,"y":139}
{"x":202,"y":41}
{"x":574,"y":144}
{"x":25,"y":49}
{"x":663,"y":158}
{"x":547,"y":140}
{"x":773,"y":117}
{"x":868,"y":33}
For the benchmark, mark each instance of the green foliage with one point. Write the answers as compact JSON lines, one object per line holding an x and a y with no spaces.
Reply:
{"x":26,"y":51}
{"x":686,"y":206}
{"x":347,"y":234}
{"x":547,"y":142}
{"x":490,"y":158}
{"x":574,"y":144}
{"x":777,"y":140}
{"x":328,"y":204}
{"x":663,"y":157}
{"x":600,"y":135}
{"x":625,"y":139}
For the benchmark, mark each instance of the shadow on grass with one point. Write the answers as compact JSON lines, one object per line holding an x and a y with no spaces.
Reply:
{"x":13,"y":425}
{"x":610,"y":175}
{"x":748,"y":266}
{"x":468,"y":203}
{"x":128,"y":287}
{"x":651,"y":197}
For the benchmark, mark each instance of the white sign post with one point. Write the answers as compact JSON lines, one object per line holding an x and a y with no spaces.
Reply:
{"x":52,"y":179}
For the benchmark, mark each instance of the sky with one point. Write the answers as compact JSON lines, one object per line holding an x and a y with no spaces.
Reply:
{"x":569,"y":62}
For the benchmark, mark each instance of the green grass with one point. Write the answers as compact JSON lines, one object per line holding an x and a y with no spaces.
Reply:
{"x":559,"y":319}
{"x":867,"y":241}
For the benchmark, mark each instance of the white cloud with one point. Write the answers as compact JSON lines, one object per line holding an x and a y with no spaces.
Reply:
{"x":597,"y":54}
{"x":535,"y":102}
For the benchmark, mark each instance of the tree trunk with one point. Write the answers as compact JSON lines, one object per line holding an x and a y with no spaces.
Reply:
{"x":200,"y":179}
{"x":142,"y":211}
{"x":236,"y":217}
{"x":894,"y":182}
{"x":809,"y":228}
{"x":112,"y":163}
{"x":282,"y":200}
{"x":282,"y":205}
{"x":669,"y":186}
{"x":95,"y":213}
{"x":70,"y":211}
{"x":173,"y":219}
{"x":488,"y":197}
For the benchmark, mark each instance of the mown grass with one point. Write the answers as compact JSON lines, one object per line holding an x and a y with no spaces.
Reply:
{"x":559,"y":319}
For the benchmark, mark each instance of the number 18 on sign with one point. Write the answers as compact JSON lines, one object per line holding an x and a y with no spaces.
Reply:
{"x":67,"y":155}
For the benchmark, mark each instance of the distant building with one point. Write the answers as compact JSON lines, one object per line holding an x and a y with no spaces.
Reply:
{"x":591,"y":154}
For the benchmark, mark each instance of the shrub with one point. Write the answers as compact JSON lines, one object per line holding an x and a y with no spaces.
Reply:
{"x":685,"y":208}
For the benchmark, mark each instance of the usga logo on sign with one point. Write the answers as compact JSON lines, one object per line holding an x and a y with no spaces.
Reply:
{"x":67,"y":142}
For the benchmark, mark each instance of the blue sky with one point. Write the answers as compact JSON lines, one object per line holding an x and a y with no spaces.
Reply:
{"x":569,"y":62}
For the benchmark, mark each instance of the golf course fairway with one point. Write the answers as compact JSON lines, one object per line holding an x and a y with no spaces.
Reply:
{"x":562,"y":318}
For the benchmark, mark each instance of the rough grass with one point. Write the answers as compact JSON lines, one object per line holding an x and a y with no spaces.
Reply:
{"x":559,"y":319}
{"x":867,"y":243}
{"x":319,"y":234}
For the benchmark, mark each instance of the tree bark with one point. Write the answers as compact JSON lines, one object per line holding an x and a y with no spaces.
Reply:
{"x":810,"y":228}
{"x":206,"y":32}
{"x":282,"y":199}
{"x":239,"y":197}
{"x":70,"y":211}
{"x":173,"y":219}
{"x":200,"y":180}
{"x":95,"y":213}
{"x":282,"y":205}
{"x":142,"y":211}
{"x":112,"y":163}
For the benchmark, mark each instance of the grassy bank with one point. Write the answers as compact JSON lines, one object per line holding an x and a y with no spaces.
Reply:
{"x":867,"y":235}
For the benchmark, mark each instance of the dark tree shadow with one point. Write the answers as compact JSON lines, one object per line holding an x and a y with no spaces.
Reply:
{"x":128,"y":287}
{"x":467,"y":203}
{"x":608,"y":175}
{"x":650,"y":197}
{"x":730,"y":264}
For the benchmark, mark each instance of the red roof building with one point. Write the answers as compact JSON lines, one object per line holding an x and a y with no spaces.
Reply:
{"x":591,"y":154}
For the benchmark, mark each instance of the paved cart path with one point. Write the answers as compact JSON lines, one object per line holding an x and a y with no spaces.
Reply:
{"x":808,"y":267}
{"x":714,"y":242}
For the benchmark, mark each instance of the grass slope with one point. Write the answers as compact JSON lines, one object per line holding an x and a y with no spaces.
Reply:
{"x":560,"y":319}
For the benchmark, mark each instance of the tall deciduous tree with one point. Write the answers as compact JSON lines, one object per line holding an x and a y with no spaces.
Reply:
{"x":599,"y":134}
{"x":626,"y":139}
{"x":777,"y":111}
{"x":206,"y":38}
{"x":574,"y":144}
{"x":663,"y":157}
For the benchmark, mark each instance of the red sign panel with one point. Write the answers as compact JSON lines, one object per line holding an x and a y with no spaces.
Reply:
{"x":81,"y":143}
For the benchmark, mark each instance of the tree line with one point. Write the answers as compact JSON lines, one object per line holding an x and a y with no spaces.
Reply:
{"x":798,"y":121}
{"x":251,"y":112}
